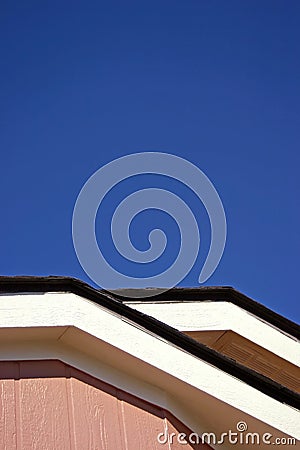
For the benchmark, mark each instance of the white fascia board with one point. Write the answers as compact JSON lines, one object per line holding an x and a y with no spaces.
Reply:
{"x":115,"y":331}
{"x":199,"y":411}
{"x":209,"y":316}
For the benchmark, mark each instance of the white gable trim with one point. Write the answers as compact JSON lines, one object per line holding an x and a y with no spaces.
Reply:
{"x":112,"y":340}
{"x":209,"y":315}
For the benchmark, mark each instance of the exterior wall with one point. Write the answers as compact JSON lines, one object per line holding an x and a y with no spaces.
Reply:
{"x":52,"y":406}
{"x":119,"y":345}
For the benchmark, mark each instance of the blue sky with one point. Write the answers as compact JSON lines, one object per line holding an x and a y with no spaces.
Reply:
{"x":215,"y":82}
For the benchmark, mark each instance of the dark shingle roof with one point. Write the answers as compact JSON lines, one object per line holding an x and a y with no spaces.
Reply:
{"x":114,"y":302}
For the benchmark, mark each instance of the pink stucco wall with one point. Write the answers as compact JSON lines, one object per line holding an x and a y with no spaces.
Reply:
{"x":48,"y":405}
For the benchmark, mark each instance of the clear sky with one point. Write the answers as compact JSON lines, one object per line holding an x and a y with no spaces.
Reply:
{"x":215,"y":82}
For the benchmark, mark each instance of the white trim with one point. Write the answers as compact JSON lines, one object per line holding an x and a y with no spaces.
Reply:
{"x":208,"y":315}
{"x":112,"y":340}
{"x":201,"y":414}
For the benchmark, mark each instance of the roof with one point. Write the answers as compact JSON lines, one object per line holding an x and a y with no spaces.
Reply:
{"x":115,"y":302}
{"x":18,"y":284}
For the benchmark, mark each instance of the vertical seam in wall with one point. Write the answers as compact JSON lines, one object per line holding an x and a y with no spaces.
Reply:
{"x":71,"y":423}
{"x":122,"y":425}
{"x":17,"y":408}
{"x":166,"y":427}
